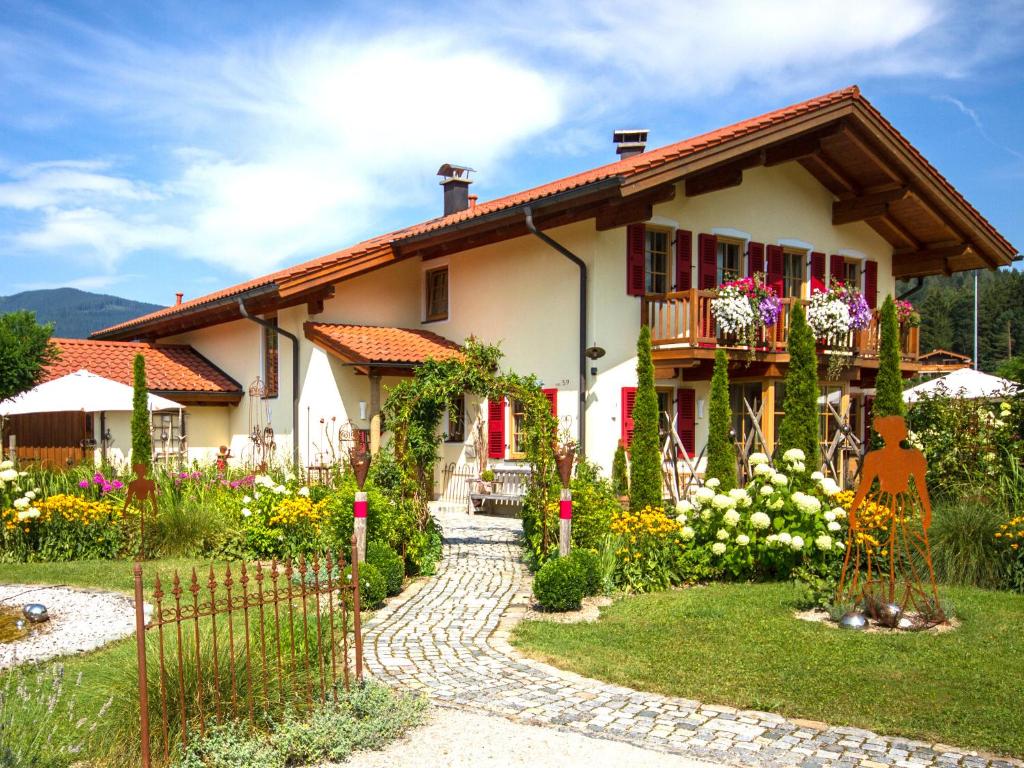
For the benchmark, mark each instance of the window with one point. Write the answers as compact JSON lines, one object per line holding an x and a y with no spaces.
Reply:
{"x":518,"y":429}
{"x":730,"y":260}
{"x":270,"y":359}
{"x":437,"y":294}
{"x":829,"y":407}
{"x":780,"y":397}
{"x":457,"y":421}
{"x":793,"y":268}
{"x":743,"y":423}
{"x":168,"y":431}
{"x":664,"y":412}
{"x":656,"y":261}
{"x":851,"y":272}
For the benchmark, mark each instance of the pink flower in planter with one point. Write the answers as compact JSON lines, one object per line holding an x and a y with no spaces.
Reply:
{"x":83,"y":484}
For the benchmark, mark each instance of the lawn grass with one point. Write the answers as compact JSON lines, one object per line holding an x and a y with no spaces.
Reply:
{"x":740,"y":645}
{"x":115,"y":575}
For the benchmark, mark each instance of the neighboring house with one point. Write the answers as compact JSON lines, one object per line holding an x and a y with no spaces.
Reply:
{"x":175,"y":371}
{"x":819,"y":189}
{"x":941,"y":361}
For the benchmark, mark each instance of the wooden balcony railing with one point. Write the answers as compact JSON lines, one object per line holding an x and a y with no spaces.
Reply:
{"x":684,"y":319}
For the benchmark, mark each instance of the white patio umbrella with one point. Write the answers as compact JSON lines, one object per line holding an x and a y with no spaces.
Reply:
{"x":965,"y":383}
{"x":80,"y":391}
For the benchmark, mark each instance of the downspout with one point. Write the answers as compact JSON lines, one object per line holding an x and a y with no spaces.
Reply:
{"x":295,"y":375}
{"x":582,"y":425}
{"x":914,"y":289}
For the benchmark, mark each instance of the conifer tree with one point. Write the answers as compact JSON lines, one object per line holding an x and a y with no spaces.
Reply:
{"x":721,"y":450}
{"x":799,"y":428}
{"x":889,"y":382}
{"x":620,"y":476}
{"x":644,"y":450}
{"x":142,"y":436}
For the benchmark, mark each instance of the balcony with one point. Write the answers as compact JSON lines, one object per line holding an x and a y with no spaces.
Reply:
{"x":682,"y":325}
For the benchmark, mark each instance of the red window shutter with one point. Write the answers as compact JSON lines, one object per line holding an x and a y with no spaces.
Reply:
{"x":628,"y":401}
{"x":496,"y":428}
{"x":707,"y":262}
{"x":636,"y":243}
{"x":552,"y":396}
{"x":817,"y":271}
{"x":773,"y":270}
{"x":871,"y":283}
{"x":755,"y":258}
{"x":837,"y":267}
{"x":686,"y":423}
{"x":684,"y":259}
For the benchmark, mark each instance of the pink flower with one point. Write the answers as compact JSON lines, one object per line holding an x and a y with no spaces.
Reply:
{"x":83,"y":484}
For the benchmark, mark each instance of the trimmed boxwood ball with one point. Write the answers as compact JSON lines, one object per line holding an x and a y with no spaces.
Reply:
{"x":389,"y":563}
{"x":590,"y":572}
{"x":372,"y":587}
{"x":559,"y":585}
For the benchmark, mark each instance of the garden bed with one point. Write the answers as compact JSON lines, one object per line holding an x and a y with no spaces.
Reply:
{"x":739,"y":645}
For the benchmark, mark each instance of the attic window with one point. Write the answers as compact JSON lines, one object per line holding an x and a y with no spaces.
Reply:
{"x":436,"y":283}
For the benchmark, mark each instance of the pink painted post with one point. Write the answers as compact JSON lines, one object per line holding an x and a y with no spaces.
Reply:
{"x":565,"y":523}
{"x":359,"y":523}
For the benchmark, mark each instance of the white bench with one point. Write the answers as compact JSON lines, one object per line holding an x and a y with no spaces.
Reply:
{"x":508,"y":489}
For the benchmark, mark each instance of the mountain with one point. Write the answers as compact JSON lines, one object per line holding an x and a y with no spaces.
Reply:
{"x":74,"y":313}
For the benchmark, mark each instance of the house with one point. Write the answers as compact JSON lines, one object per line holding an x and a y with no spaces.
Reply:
{"x":564,"y":274}
{"x":941,"y":361}
{"x":175,"y":371}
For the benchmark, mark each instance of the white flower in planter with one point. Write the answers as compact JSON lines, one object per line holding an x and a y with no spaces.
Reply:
{"x":30,"y":494}
{"x":704,"y":494}
{"x":743,"y":540}
{"x":772,"y":539}
{"x":247,"y":499}
{"x":6,"y":464}
{"x":723,"y":501}
{"x":779,"y":479}
{"x":830,"y":487}
{"x":722,"y":535}
{"x":806,"y":504}
{"x":763,"y":469}
{"x":798,"y":466}
{"x":757,"y":459}
{"x":785,"y":538}
{"x":688,"y":533}
{"x":823,"y":542}
{"x":817,"y":476}
{"x":760,"y":520}
{"x":21,"y":503}
{"x":304,"y":491}
{"x":834,"y":526}
{"x":829,"y":515}
{"x":797,"y":543}
{"x":8,"y":475}
{"x":794,"y":454}
{"x":246,"y":512}
{"x":767,"y":490}
{"x":731,"y":517}
{"x":683,"y":507}
{"x":712,"y":482}
{"x":839,"y":512}
{"x":681,"y":518}
{"x":718,"y":548}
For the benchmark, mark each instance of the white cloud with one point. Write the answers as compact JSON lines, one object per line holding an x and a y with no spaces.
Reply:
{"x":40,"y":185}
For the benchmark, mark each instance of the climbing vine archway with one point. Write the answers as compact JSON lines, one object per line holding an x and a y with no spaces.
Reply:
{"x":415,"y":406}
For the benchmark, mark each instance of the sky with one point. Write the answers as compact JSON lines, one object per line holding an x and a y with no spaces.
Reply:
{"x":149,"y":148}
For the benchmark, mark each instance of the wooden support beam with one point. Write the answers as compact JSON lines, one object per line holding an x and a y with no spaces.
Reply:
{"x":799,"y":148}
{"x":901,"y":232}
{"x":867,"y":150}
{"x":866,"y":206}
{"x":829,"y":174}
{"x":712,"y":181}
{"x":932,"y":261}
{"x":632,"y":210}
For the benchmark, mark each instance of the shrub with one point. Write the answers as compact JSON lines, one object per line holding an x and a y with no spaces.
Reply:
{"x":63,"y":528}
{"x":424,"y":550}
{"x":389,"y":563}
{"x":799,"y":428}
{"x":620,"y":472}
{"x":889,"y":381}
{"x":142,"y":435}
{"x":372,"y":586}
{"x":644,"y":449}
{"x":559,"y":585}
{"x":964,"y":546}
{"x":593,"y":504}
{"x":721,"y":461}
{"x":589,"y":565}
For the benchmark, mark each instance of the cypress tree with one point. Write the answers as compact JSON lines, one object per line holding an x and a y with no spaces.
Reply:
{"x":620,"y":478}
{"x":142,"y":436}
{"x":645,"y":451}
{"x":721,"y":451}
{"x":799,"y":428}
{"x":889,"y":382}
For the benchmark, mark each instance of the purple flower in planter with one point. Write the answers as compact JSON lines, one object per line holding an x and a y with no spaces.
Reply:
{"x":107,"y":488}
{"x":118,"y":485}
{"x":99,"y":479}
{"x":83,"y":484}
{"x":860,"y":313}
{"x":769,"y":309}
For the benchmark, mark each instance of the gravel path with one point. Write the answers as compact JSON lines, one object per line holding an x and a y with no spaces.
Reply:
{"x":80,"y":620}
{"x":457,"y":739}
{"x":449,"y":638}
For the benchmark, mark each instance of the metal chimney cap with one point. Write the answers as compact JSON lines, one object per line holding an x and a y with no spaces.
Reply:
{"x":630,"y":135}
{"x":453,"y":171}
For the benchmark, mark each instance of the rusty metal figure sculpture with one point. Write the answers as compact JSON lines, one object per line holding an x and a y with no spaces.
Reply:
{"x":139,"y":491}
{"x":892,"y":576}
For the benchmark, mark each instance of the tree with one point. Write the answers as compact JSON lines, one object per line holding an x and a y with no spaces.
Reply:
{"x":620,"y":474}
{"x":142,"y":435}
{"x":644,"y":450}
{"x":889,"y":382}
{"x":721,"y":451}
{"x":799,"y":428}
{"x":25,"y":350}
{"x":1012,"y":368}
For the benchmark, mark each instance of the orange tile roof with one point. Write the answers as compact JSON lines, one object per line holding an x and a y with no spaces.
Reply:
{"x":375,"y":344}
{"x":621,"y":170}
{"x":170,"y":368}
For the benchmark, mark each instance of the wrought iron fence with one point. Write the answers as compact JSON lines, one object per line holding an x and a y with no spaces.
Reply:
{"x":455,"y":481}
{"x":251,"y":643}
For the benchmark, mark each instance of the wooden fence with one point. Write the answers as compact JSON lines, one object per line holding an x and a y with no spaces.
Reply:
{"x":251,"y":643}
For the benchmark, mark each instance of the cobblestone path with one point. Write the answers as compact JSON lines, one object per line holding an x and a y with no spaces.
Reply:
{"x":449,"y":638}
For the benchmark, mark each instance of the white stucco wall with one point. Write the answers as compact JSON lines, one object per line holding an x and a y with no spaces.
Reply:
{"x":207,"y":428}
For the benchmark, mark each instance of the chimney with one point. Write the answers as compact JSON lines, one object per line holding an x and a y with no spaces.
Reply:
{"x":455,"y":180}
{"x":629,"y":142}
{"x":177,"y":298}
